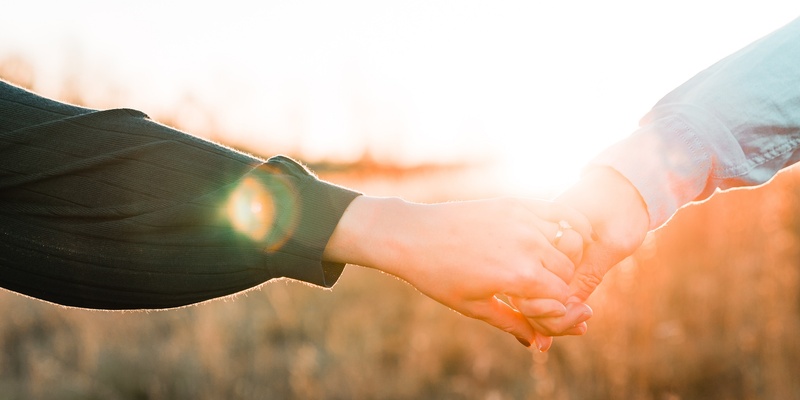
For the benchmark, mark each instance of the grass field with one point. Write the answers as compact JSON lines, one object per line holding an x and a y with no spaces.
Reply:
{"x":708,"y":308}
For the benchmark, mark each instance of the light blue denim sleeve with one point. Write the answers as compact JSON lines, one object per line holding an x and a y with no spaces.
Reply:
{"x":735,"y":124}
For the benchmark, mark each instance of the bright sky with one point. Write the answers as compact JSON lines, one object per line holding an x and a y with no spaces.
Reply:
{"x":543,"y":85}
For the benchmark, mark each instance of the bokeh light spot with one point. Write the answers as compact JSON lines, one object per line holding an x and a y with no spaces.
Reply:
{"x":251,"y":209}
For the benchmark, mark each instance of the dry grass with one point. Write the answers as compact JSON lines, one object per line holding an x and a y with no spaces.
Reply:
{"x":708,"y":308}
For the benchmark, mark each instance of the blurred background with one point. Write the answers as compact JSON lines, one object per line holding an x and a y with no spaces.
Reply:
{"x":430,"y":100}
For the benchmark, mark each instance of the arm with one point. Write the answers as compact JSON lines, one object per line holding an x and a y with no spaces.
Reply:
{"x":735,"y":124}
{"x":465,"y":254}
{"x":108,"y":209}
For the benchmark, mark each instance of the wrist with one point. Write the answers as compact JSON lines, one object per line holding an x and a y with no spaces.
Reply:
{"x":368,"y":233}
{"x":612,"y":204}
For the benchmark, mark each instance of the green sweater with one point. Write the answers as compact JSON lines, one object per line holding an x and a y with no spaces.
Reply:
{"x":111,"y":210}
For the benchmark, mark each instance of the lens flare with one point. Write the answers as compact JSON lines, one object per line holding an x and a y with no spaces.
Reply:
{"x":251,"y":209}
{"x":264,"y":208}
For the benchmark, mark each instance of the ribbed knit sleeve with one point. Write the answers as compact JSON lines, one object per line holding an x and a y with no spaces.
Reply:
{"x":111,"y":210}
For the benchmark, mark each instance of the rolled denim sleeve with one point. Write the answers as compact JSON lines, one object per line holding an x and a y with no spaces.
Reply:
{"x":734,"y":124}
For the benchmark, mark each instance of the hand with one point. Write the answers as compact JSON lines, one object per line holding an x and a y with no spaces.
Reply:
{"x":465,"y":254}
{"x":619,"y":218}
{"x":620,"y":222}
{"x":542,"y":313}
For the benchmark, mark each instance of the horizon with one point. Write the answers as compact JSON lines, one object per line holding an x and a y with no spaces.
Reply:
{"x":537,"y":90}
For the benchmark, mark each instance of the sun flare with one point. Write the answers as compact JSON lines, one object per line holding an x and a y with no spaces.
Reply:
{"x":541,"y":170}
{"x":250,"y":209}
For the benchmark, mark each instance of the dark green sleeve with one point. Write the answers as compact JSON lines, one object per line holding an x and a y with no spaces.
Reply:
{"x":110,"y":210}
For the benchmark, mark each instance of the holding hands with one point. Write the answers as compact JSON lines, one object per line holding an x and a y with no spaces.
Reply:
{"x":620,"y":221}
{"x":546,"y":258}
{"x":467,"y":255}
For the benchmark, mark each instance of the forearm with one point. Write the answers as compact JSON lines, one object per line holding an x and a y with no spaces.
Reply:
{"x":155,"y":253}
{"x":108,"y":209}
{"x":735,"y":124}
{"x":619,"y":217}
{"x":464,"y":254}
{"x":369,"y":234}
{"x":610,"y":201}
{"x":417,"y":241}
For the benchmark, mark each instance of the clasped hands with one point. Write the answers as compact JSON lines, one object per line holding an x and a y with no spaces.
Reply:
{"x":501,"y":260}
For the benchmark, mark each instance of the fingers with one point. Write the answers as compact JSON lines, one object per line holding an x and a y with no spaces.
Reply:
{"x":590,"y":272}
{"x":544,"y":283}
{"x":542,"y":308}
{"x":585,"y":283}
{"x":572,"y":323}
{"x":552,"y":318}
{"x":534,"y":281}
{"x":529,"y":332}
{"x":538,"y":332}
{"x":564,"y":238}
{"x":556,"y":212}
{"x":539,"y":307}
{"x":570,"y":243}
{"x":559,"y":264}
{"x":568,"y":231}
{"x":502,"y":316}
{"x":542,"y":341}
{"x":561,"y":251}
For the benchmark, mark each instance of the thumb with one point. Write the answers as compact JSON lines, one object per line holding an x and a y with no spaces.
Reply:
{"x":597,"y":261}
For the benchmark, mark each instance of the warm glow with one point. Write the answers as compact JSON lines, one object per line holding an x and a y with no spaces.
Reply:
{"x":707,"y":308}
{"x":540,"y":85}
{"x":250,"y":209}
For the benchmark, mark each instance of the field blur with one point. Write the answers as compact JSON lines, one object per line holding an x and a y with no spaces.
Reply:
{"x":708,"y":308}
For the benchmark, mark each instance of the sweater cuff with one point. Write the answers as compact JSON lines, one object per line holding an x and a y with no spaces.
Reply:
{"x":314,"y":210}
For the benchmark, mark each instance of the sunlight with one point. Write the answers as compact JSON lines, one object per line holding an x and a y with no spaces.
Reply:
{"x":409,"y":82}
{"x":546,"y":164}
{"x":251,"y":210}
{"x":520,"y":174}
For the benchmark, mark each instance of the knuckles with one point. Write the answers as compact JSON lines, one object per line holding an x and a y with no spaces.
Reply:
{"x":587,"y":281}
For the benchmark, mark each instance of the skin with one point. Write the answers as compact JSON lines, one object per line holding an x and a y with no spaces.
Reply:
{"x":467,"y":255}
{"x":620,"y":221}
